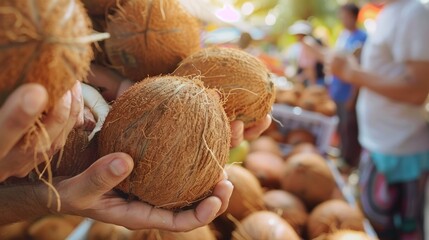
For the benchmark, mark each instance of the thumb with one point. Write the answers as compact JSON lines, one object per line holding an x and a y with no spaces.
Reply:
{"x":99,"y":178}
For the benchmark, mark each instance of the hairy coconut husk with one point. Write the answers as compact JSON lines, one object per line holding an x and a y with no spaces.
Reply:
{"x":247,"y":194}
{"x":50,"y":227}
{"x":264,"y":225}
{"x":308,"y":176}
{"x":77,"y":155}
{"x":298,"y":136}
{"x":45,"y":42}
{"x":178,"y":135}
{"x":289,"y":207}
{"x":202,"y":233}
{"x":334,"y":215}
{"x":14,"y":231}
{"x":265,"y":144}
{"x":243,"y":80}
{"x":99,"y":7}
{"x":102,"y":231}
{"x":150,"y":37}
{"x":266,"y":167}
{"x":348,"y":235}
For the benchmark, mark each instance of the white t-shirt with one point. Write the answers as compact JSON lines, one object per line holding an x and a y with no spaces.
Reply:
{"x":388,"y":126}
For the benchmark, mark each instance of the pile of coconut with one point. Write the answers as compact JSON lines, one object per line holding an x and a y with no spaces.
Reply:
{"x":312,"y":98}
{"x":286,"y":196}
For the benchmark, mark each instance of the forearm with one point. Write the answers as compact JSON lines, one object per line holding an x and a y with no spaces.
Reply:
{"x":402,"y":89}
{"x":19,"y":202}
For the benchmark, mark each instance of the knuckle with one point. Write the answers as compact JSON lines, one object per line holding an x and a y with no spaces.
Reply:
{"x":99,"y":181}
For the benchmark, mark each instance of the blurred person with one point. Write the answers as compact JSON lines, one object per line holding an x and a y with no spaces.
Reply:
{"x":394,"y":83}
{"x":351,"y":40}
{"x":309,"y":68}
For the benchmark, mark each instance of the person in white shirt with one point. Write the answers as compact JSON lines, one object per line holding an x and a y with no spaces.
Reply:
{"x":394,"y":81}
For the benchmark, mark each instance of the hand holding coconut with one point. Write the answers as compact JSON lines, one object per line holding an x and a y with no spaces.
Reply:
{"x":19,"y":114}
{"x":90,"y":194}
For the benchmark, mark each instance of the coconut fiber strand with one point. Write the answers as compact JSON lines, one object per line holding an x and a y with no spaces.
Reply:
{"x":150,"y":37}
{"x":41,"y":41}
{"x":243,"y":80}
{"x":178,"y":135}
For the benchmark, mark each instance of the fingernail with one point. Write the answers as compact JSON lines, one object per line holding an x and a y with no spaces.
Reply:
{"x":34,"y":101}
{"x":118,"y":167}
{"x":230,"y":184}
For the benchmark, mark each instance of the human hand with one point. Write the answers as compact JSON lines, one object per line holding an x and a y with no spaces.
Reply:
{"x":341,"y":65}
{"x":19,"y":114}
{"x":239,"y":133}
{"x":90,"y":194}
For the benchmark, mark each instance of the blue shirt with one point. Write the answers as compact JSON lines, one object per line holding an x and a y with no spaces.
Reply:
{"x":346,"y":42}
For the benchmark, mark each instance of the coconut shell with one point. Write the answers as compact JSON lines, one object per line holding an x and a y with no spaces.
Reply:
{"x":178,"y":135}
{"x":150,"y":37}
{"x":308,"y":176}
{"x":298,"y":136}
{"x":289,"y":207}
{"x":303,"y":148}
{"x":334,"y":215}
{"x":247,"y":194}
{"x":243,"y":80}
{"x":202,"y":233}
{"x":50,"y":227}
{"x":264,"y":225}
{"x":265,"y":144}
{"x":266,"y":167}
{"x":42,"y":42}
{"x":77,"y":155}
{"x":102,"y":231}
{"x":348,"y":235}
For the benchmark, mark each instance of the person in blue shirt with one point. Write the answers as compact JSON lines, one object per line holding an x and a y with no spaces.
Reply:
{"x":344,"y":94}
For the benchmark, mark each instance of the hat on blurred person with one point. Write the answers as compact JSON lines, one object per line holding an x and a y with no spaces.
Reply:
{"x":300,"y":27}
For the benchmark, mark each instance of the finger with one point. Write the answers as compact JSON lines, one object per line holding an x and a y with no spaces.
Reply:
{"x":77,"y":93}
{"x":56,"y":120}
{"x":99,"y":178}
{"x":237,"y":128}
{"x":255,"y":131}
{"x":223,"y":191}
{"x":20,"y":111}
{"x":76,"y":112}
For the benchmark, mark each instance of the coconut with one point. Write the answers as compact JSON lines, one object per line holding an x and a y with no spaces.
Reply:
{"x":334,"y":215}
{"x":266,"y":166}
{"x":247,"y":194}
{"x":99,"y":7}
{"x":298,"y":136}
{"x":50,"y":227}
{"x":265,"y":144}
{"x":77,"y":155}
{"x":308,"y":176}
{"x":273,"y":132}
{"x":14,"y":231}
{"x":264,"y":225}
{"x":302,"y":148}
{"x":178,"y":135}
{"x":196,"y":234}
{"x":287,"y":96}
{"x":348,"y":235}
{"x":328,"y":108}
{"x":150,"y":37}
{"x":45,"y":42}
{"x":289,"y":207}
{"x":101,"y":231}
{"x":243,"y":80}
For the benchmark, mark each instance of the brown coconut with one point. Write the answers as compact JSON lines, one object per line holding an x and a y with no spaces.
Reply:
{"x":247,"y":194}
{"x":178,"y":135}
{"x":303,"y":148}
{"x":15,"y":231}
{"x":99,"y":7}
{"x":287,"y":96}
{"x":102,"y":231}
{"x":77,"y":155}
{"x":243,"y":80}
{"x":45,"y":42}
{"x":334,"y":215}
{"x":308,"y":176}
{"x":264,"y":225}
{"x":150,"y":37}
{"x":289,"y":207}
{"x":273,"y":132}
{"x":265,"y":144}
{"x":327,"y":108}
{"x":266,"y":167}
{"x":202,"y":233}
{"x":50,"y":227}
{"x":298,"y":136}
{"x":348,"y":235}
